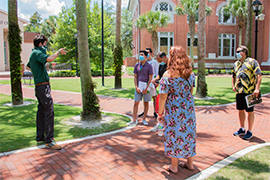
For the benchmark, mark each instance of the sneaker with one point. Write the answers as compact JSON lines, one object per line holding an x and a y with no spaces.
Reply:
{"x":53,"y":145}
{"x":239,"y":132}
{"x":41,"y":141}
{"x":141,"y":115}
{"x":155,"y":115}
{"x":155,"y":128}
{"x":144,"y":122}
{"x":248,"y":135}
{"x":132,"y":123}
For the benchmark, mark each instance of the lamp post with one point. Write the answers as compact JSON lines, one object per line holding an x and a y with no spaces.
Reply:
{"x":75,"y":36}
{"x":102,"y":37}
{"x":257,"y":6}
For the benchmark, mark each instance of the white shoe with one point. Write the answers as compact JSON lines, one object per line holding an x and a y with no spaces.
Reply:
{"x":155,"y":128}
{"x":145,"y":122}
{"x":132,"y":123}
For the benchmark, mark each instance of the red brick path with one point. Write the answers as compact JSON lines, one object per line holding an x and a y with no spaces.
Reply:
{"x":135,"y":153}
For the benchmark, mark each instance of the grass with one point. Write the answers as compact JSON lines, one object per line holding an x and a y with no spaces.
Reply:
{"x":18,"y":124}
{"x":218,"y":87}
{"x":254,"y":165}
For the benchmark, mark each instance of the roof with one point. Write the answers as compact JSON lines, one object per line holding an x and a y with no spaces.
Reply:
{"x":20,"y":19}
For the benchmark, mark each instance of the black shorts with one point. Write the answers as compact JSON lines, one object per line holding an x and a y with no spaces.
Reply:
{"x":241,"y":103}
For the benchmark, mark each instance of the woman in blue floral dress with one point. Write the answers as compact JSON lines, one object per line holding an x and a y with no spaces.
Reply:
{"x":176,"y":98}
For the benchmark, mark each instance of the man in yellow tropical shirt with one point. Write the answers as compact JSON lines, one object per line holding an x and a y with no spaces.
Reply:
{"x":246,"y":80}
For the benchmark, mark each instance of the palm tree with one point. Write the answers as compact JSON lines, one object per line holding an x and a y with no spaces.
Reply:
{"x":190,"y":8}
{"x":118,"y":51}
{"x":237,"y":8}
{"x":151,"y":21}
{"x":15,"y":41}
{"x":201,"y":84}
{"x":248,"y":39}
{"x":90,"y":101}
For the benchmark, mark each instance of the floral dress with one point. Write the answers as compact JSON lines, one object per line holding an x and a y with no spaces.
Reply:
{"x":180,"y":119}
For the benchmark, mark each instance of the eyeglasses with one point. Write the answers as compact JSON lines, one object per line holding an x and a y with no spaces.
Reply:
{"x":239,"y":51}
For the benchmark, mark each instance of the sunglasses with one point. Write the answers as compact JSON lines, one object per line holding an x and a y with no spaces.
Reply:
{"x":141,"y":67}
{"x":239,"y":51}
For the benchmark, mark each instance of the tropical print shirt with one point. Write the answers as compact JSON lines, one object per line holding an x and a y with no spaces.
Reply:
{"x":245,"y":75}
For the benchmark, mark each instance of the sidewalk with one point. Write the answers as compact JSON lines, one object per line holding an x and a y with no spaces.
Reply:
{"x":135,"y":153}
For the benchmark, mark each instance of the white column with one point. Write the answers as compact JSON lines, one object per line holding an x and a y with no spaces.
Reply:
{"x":2,"y":58}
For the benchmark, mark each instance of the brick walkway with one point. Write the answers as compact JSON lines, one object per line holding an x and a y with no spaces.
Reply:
{"x":135,"y":153}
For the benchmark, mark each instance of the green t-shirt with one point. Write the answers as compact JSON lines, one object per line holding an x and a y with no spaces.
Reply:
{"x":245,"y":74}
{"x":36,"y":63}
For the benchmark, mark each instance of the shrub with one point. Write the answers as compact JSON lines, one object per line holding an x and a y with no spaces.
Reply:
{"x":130,"y":71}
{"x":65,"y":73}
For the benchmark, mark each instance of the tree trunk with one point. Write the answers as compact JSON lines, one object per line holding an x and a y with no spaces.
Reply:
{"x":192,"y":35}
{"x":240,"y":35}
{"x":155,"y":42}
{"x":15,"y":41}
{"x":90,"y":101}
{"x":248,"y":39}
{"x":118,"y":51}
{"x":201,"y":84}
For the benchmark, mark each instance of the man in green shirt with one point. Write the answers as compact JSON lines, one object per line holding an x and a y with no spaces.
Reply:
{"x":246,"y":80}
{"x":45,"y":112}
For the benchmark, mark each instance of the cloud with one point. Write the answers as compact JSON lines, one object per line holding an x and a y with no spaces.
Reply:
{"x":53,"y":7}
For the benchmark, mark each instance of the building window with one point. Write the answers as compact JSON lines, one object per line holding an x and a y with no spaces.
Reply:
{"x":5,"y":55}
{"x":226,"y":45}
{"x":195,"y":45}
{"x":165,"y":41}
{"x":225,"y":18}
{"x":165,"y":8}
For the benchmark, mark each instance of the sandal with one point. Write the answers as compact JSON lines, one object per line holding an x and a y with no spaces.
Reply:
{"x":167,"y":168}
{"x":184,"y":165}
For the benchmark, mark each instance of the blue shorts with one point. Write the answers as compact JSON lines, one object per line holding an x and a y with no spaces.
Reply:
{"x":138,"y":96}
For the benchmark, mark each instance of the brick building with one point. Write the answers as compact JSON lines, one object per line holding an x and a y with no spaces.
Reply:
{"x":221,"y":35}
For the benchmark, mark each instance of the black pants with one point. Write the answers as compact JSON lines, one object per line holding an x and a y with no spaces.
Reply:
{"x":45,"y":113}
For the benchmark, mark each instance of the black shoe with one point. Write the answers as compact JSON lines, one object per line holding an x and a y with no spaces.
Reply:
{"x":248,"y":135}
{"x":239,"y":132}
{"x":155,"y":115}
{"x":141,"y":115}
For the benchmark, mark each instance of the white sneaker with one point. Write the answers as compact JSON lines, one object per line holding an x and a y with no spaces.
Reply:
{"x":155,"y":128}
{"x":145,"y":122}
{"x":132,"y":123}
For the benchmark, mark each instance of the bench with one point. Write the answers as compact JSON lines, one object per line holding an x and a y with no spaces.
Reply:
{"x":27,"y":75}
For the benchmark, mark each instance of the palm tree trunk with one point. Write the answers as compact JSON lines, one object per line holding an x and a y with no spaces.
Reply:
{"x":240,"y":36}
{"x":201,"y":83}
{"x":15,"y":41}
{"x":155,"y":42}
{"x":248,"y":39}
{"x":90,"y":101}
{"x":192,"y":35}
{"x":118,"y":51}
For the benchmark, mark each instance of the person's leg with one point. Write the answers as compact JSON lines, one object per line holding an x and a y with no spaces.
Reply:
{"x":40,"y":129}
{"x":154,"y":102}
{"x":251,"y":118}
{"x":135,"y":110}
{"x":190,"y":162}
{"x":174,"y":164}
{"x":242,"y":117}
{"x":145,"y":106}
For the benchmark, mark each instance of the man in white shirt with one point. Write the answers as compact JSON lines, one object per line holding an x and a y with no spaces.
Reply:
{"x":153,"y":90}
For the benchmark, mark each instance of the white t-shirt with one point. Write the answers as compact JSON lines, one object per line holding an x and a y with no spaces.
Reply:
{"x":155,"y":65}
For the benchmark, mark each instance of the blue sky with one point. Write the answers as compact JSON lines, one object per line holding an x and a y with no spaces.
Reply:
{"x":26,"y":8}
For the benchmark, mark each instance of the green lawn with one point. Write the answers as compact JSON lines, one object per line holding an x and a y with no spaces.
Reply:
{"x":218,"y":87}
{"x":18,"y":124}
{"x":254,"y":165}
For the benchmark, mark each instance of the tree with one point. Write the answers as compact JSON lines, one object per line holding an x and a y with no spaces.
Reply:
{"x":201,"y":83}
{"x":237,"y":8}
{"x":15,"y":41}
{"x":34,"y":24}
{"x":90,"y":101}
{"x":151,"y":21}
{"x":118,"y":52}
{"x":126,"y":32}
{"x":248,"y":39}
{"x":190,"y":8}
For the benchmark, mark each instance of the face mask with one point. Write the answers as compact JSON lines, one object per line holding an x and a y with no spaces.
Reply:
{"x":141,"y":58}
{"x":162,"y":63}
{"x":45,"y":47}
{"x":238,"y":56}
{"x":147,"y":55}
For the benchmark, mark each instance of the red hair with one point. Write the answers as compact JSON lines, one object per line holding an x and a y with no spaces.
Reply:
{"x":179,"y":62}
